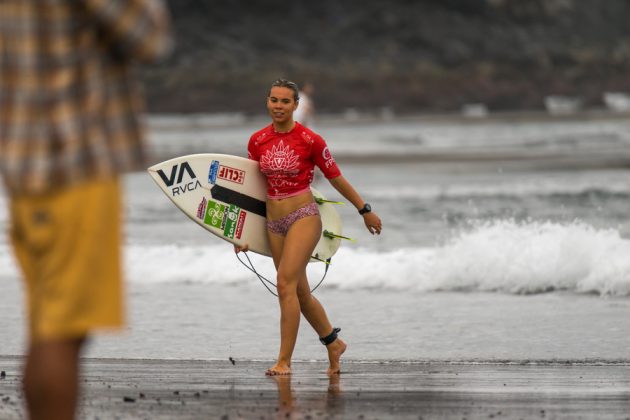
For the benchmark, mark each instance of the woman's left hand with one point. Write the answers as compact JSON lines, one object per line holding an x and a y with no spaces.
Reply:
{"x":373,"y":223}
{"x":243,"y":248}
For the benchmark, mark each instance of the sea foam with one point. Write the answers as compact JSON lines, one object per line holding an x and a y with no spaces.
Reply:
{"x":500,"y":256}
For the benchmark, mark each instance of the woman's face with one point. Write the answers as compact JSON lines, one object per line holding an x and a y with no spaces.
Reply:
{"x":280,"y":104}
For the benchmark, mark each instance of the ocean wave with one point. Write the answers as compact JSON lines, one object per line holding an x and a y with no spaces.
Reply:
{"x":531,"y":257}
{"x":575,"y":190}
{"x":500,"y":256}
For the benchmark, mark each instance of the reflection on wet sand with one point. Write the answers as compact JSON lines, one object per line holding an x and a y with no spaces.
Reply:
{"x":308,"y":402}
{"x":200,"y":389}
{"x":285,"y":395}
{"x":334,"y":402}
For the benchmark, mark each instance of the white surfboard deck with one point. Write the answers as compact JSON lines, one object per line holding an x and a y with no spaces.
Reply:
{"x":226,"y":195}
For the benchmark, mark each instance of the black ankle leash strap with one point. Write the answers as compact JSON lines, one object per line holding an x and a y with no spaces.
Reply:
{"x":330,"y":338}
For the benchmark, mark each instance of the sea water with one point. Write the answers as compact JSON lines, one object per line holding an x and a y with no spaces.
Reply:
{"x":501,"y":241}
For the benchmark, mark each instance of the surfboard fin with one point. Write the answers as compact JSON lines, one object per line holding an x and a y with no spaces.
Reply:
{"x":316,"y":257}
{"x":320,"y":200}
{"x":331,"y":235}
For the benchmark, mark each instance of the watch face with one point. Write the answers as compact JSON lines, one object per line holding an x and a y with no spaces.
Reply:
{"x":367,"y":207}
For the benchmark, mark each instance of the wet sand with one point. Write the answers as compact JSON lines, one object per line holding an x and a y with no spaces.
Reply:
{"x":167,"y":389}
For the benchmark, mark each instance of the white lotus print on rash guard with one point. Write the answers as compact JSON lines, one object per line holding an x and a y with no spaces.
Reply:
{"x":280,"y":159}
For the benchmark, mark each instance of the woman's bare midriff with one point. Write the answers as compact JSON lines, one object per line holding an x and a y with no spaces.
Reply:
{"x":278,"y":208}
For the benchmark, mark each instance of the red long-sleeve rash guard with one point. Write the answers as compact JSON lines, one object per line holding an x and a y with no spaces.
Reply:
{"x":288,"y":159}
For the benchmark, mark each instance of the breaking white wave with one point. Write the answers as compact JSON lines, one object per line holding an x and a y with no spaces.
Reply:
{"x":502,"y":256}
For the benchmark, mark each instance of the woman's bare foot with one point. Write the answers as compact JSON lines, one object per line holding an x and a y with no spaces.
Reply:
{"x":279,"y":369}
{"x":335,"y":350}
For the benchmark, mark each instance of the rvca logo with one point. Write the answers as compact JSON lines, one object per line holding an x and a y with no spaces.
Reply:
{"x":183,"y":168}
{"x":178,"y":171}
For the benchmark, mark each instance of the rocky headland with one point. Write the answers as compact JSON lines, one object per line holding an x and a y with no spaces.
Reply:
{"x":405,"y":55}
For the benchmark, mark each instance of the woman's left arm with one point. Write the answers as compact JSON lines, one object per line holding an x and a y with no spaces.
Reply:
{"x":371,"y":219}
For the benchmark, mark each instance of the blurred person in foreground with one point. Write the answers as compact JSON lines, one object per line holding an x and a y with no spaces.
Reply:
{"x":69,"y":126}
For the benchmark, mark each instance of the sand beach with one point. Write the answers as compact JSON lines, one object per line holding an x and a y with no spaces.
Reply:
{"x":167,"y":389}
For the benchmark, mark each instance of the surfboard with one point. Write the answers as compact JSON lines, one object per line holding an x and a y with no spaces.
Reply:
{"x":226,"y":195}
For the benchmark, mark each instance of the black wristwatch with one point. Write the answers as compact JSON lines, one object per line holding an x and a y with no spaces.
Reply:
{"x":366,"y":209}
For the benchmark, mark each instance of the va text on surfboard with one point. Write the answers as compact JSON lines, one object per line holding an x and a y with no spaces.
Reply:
{"x":181,"y":186}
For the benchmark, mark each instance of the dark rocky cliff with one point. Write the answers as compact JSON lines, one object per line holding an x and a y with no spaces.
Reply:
{"x":422,"y":55}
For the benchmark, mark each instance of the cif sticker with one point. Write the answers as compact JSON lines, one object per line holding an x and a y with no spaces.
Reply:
{"x":231,"y":174}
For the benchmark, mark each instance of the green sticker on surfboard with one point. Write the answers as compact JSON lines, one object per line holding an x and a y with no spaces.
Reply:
{"x":222,"y":216}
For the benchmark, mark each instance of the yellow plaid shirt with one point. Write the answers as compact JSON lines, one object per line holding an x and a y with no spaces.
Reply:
{"x":69,"y":108}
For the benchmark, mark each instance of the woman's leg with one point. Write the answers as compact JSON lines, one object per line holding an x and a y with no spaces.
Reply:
{"x":316,"y":316}
{"x":291,"y":255}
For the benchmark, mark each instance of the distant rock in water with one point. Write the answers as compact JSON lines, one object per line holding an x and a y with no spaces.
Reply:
{"x":562,"y":105}
{"x":617,"y":101}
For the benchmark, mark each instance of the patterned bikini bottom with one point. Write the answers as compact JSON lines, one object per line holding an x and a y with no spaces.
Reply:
{"x":282,"y":225}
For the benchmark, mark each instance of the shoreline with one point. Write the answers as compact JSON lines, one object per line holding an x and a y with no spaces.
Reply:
{"x":196,"y":120}
{"x":188,"y":389}
{"x":10,"y":359}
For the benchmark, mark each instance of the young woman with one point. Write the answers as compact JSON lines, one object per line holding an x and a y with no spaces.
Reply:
{"x":288,"y":152}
